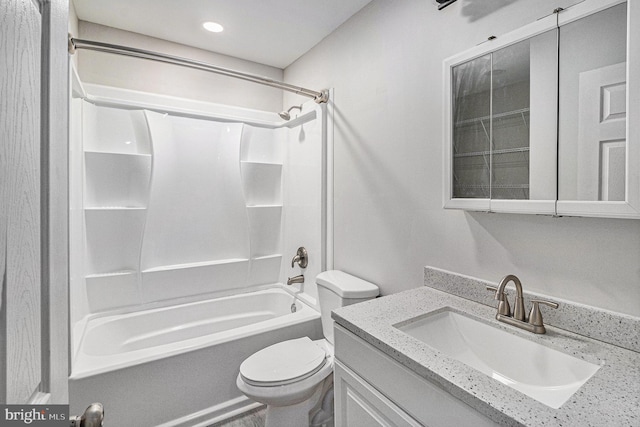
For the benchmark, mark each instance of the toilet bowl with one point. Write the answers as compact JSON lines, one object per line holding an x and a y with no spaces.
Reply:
{"x":294,"y":378}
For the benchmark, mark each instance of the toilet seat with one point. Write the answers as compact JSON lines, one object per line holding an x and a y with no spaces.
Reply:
{"x":283,"y":363}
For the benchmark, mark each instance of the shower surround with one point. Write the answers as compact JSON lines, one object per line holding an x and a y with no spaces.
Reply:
{"x":176,"y":201}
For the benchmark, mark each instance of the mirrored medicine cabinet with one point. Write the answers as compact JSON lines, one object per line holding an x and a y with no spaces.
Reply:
{"x":546,"y":119}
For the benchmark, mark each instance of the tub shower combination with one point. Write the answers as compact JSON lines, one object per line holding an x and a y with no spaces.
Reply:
{"x":179,"y":226}
{"x":178,"y":365}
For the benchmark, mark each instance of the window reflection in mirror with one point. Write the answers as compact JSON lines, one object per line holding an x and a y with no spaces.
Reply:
{"x":592,"y":107}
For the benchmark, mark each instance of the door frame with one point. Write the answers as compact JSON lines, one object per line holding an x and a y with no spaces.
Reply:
{"x":54,"y":198}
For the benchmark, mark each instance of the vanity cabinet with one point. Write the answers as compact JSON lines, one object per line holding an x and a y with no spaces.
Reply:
{"x":375,"y":390}
{"x":544,"y":120}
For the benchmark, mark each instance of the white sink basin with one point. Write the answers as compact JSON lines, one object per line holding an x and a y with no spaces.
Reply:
{"x":540,"y":372}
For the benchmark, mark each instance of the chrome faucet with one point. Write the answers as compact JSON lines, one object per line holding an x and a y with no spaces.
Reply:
{"x":518,"y":319}
{"x":518,"y":309}
{"x":296,"y":279}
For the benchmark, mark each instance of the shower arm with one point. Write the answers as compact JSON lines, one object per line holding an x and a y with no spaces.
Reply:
{"x":319,"y":97}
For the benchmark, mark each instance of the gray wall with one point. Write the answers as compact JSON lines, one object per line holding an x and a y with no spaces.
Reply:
{"x":138,"y":74}
{"x":386,"y":67}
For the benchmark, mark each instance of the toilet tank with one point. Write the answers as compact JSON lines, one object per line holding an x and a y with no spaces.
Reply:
{"x":338,"y":289}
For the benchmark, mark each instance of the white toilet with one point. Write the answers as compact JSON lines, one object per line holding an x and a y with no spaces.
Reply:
{"x":294,"y":378}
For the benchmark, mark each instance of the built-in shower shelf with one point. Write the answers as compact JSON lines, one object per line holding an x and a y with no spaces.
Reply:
{"x":115,"y":179}
{"x":114,"y":208}
{"x":111,"y":274}
{"x":195,"y":265}
{"x":267,"y":164}
{"x":264,"y":206}
{"x":266,"y":257}
{"x":114,"y":153}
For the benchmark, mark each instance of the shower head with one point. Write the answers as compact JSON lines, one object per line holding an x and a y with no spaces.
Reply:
{"x":285,"y":114}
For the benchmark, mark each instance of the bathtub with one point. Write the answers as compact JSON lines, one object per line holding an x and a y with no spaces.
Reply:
{"x":177,"y":366}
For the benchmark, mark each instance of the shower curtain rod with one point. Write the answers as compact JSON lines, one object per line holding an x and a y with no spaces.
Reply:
{"x":74,"y":44}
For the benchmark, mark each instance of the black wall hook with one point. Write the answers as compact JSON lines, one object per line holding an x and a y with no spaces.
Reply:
{"x":444,"y":3}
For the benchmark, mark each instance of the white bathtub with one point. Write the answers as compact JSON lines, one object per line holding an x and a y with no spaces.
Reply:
{"x":176,"y":366}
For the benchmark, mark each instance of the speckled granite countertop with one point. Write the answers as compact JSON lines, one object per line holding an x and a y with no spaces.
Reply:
{"x":610,"y":398}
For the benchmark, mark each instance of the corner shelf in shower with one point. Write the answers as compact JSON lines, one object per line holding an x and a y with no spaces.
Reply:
{"x":267,"y":257}
{"x":115,"y":208}
{"x":116,"y":179}
{"x":262,"y":183}
{"x":268,"y":164}
{"x":110,"y":274}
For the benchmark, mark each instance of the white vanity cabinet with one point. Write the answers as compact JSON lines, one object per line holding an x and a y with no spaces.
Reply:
{"x":371,"y":389}
{"x":545,"y":119}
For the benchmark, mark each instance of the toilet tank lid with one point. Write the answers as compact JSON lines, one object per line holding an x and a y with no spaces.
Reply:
{"x":345,"y":285}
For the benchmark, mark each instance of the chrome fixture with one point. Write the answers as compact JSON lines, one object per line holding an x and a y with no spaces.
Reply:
{"x":285,"y":114}
{"x":74,"y":44}
{"x":534,"y":322}
{"x":302,"y":258}
{"x":92,"y":417}
{"x":296,"y":279}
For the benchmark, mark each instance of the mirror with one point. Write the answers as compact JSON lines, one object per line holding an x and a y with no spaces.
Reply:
{"x":503,"y":125}
{"x":546,"y":119}
{"x":592,"y":107}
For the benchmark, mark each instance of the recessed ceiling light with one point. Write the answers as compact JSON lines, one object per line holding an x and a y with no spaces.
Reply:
{"x":214,"y":27}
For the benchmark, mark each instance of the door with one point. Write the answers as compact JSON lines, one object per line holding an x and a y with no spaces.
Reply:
{"x":602,"y":134}
{"x":33,"y":211}
{"x":359,"y":404}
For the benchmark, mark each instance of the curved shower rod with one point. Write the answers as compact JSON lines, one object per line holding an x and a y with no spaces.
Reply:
{"x":74,"y":44}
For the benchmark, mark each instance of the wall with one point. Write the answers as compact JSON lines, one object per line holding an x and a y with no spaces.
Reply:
{"x":303,"y":206}
{"x":143,"y":75}
{"x":386,"y":67}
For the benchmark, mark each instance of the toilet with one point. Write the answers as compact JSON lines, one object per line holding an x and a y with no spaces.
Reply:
{"x":294,"y":377}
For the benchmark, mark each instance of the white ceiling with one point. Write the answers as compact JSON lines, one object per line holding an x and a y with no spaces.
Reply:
{"x":272,"y":32}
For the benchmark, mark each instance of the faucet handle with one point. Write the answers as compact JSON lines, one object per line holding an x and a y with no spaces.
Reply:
{"x":535,"y":316}
{"x":503,"y":305}
{"x":301,"y":257}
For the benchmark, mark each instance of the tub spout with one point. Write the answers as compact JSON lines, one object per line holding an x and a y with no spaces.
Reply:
{"x":296,"y":279}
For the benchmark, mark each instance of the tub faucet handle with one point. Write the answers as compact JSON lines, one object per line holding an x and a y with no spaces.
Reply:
{"x":302,"y":258}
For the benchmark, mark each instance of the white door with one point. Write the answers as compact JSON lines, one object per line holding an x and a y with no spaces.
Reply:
{"x":602,"y":134}
{"x":33,"y":152}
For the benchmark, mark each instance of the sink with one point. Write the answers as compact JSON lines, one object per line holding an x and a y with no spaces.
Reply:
{"x":540,"y":372}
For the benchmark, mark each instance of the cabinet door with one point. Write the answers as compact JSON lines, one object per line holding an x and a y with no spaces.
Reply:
{"x":501,"y":124}
{"x":599,"y":137}
{"x":358,"y":404}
